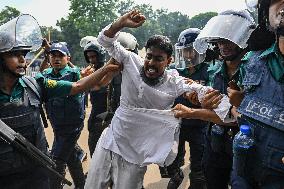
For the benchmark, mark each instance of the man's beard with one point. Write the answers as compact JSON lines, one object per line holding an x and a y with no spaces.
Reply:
{"x":279,"y":28}
{"x":280,"y":31}
{"x":234,"y":56}
{"x":150,"y":81}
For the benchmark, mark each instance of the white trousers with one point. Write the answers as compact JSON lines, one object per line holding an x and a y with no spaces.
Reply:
{"x":110,"y":169}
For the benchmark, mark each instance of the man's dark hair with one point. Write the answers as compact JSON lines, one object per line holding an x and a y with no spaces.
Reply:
{"x":160,"y":42}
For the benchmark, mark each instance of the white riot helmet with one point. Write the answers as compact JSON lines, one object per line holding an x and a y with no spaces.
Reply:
{"x":21,"y":33}
{"x":88,"y":39}
{"x":128,"y":41}
{"x":185,"y":54}
{"x":235,"y":26}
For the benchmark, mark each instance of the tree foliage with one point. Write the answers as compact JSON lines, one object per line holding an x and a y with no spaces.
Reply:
{"x":172,"y":23}
{"x":88,"y":17}
{"x":160,"y":21}
{"x":7,"y":14}
{"x":52,"y":34}
{"x":200,"y":20}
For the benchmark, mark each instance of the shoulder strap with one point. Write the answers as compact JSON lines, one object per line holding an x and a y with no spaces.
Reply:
{"x":33,"y":85}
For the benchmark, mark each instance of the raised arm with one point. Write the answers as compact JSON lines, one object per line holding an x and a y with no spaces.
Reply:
{"x":132,"y":19}
{"x":107,"y":37}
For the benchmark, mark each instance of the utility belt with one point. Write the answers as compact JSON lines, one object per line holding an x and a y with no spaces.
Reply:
{"x":222,"y":143}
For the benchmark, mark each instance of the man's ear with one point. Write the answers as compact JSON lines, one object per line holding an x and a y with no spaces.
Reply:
{"x":169,"y":60}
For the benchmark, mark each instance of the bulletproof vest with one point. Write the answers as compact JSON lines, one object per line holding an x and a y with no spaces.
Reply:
{"x":99,"y":101}
{"x":264,"y":96}
{"x":201,"y":76}
{"x":65,"y":110}
{"x":23,"y":117}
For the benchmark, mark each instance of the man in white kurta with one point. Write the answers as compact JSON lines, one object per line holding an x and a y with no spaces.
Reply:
{"x":143,"y":129}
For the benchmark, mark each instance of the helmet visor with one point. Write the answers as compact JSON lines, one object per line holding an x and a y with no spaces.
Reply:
{"x":231,"y":27}
{"x":251,"y":5}
{"x":186,"y":57}
{"x":22,"y":32}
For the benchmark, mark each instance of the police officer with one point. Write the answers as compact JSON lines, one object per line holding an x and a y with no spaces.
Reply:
{"x":66,"y":115}
{"x":19,"y":109}
{"x":262,"y":106}
{"x":190,"y":64}
{"x":218,"y":147}
{"x":20,"y":97}
{"x":95,"y":56}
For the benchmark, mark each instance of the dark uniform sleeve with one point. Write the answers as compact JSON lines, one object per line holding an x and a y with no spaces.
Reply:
{"x":53,"y":88}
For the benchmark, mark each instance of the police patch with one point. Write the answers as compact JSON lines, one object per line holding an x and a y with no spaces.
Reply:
{"x":51,"y":83}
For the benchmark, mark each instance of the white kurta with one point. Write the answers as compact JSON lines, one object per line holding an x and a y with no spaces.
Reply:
{"x":143,"y":130}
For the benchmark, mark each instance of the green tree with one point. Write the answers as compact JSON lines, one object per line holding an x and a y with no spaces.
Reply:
{"x":90,"y":16}
{"x":200,"y":20}
{"x":52,"y":33}
{"x":172,"y":23}
{"x":87,"y":17}
{"x":7,"y":14}
{"x":125,"y":6}
{"x":72,"y":37}
{"x":150,"y":27}
{"x":159,"y":21}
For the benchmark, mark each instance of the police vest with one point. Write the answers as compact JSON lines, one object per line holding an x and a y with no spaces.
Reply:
{"x":24,"y":118}
{"x":264,"y":96}
{"x":65,"y":110}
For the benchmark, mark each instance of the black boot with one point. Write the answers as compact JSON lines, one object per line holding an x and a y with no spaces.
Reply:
{"x":176,"y":180}
{"x":77,"y":174}
{"x":55,"y":182}
{"x":197,"y":180}
{"x":164,"y":172}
